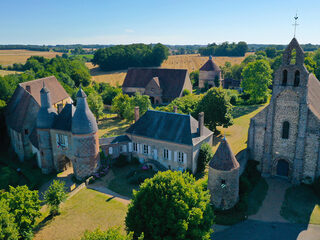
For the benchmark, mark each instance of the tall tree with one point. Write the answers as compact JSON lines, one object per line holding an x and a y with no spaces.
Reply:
{"x":256,"y":80}
{"x":8,"y":227}
{"x":55,"y":195}
{"x":171,"y":205}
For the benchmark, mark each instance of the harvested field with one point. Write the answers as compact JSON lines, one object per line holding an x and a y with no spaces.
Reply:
{"x":8,"y":57}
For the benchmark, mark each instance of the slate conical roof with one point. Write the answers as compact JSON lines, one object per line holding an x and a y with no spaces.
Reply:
{"x":224,"y":159}
{"x":83,"y":121}
{"x":210,"y":65}
{"x":46,"y":114}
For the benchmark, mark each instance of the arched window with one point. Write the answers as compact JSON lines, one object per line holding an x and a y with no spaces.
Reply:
{"x":296,"y":79}
{"x":285,"y":130}
{"x":284,"y":77}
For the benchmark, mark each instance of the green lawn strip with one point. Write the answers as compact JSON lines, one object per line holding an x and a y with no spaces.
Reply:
{"x":301,"y":205}
{"x":86,"y":210}
{"x":256,"y":196}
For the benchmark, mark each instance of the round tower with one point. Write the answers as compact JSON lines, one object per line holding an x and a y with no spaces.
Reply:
{"x":45,"y":119}
{"x":85,"y":139}
{"x":223,"y":178}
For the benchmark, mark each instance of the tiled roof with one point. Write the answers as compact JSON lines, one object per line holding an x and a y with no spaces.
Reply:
{"x":170,"y":80}
{"x":314,"y":94}
{"x":171,"y":127}
{"x":224,"y":159}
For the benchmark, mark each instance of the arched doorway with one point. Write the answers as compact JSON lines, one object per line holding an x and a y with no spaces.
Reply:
{"x":64,"y":163}
{"x":282,"y":168}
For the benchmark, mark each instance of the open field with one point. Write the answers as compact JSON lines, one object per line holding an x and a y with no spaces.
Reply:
{"x":8,"y":57}
{"x":87,"y":210}
{"x":191,"y":62}
{"x":5,"y":72}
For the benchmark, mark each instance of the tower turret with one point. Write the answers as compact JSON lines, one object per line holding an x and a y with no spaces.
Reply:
{"x":223,"y":178}
{"x":45,"y":119}
{"x":85,"y":139}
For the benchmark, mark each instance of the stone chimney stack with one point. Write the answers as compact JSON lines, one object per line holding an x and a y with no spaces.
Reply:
{"x":28,"y":88}
{"x":175,"y":109}
{"x":201,"y":123}
{"x":136,"y":114}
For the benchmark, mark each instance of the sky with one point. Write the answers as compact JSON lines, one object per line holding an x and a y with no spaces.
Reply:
{"x":52,"y":22}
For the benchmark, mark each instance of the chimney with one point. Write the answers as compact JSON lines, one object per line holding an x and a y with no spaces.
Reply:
{"x":201,"y":123}
{"x":28,"y":88}
{"x":60,"y":107}
{"x":175,"y":109}
{"x":136,"y":114}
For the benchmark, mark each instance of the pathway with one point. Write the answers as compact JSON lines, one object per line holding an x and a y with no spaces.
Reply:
{"x":271,"y":206}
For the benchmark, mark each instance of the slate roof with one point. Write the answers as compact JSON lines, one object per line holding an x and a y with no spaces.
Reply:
{"x":64,"y":119}
{"x":314,"y":94}
{"x":210,"y":65}
{"x":224,"y":159}
{"x":114,"y":140}
{"x":170,"y":80}
{"x":22,"y":101}
{"x":171,"y":127}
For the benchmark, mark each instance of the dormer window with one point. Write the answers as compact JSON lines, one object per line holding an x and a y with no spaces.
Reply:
{"x":284,"y":77}
{"x":296,"y":79}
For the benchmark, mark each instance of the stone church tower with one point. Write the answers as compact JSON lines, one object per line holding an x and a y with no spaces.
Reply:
{"x":284,"y":136}
{"x":85,"y":139}
{"x":223,"y":178}
{"x":45,"y":119}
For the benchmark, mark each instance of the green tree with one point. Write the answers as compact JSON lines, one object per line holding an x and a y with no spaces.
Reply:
{"x":216,"y":107}
{"x":95,"y":103}
{"x":194,"y":78}
{"x":271,"y":52}
{"x":159,"y":54}
{"x":171,"y":205}
{"x":119,"y":104}
{"x":110,"y":234}
{"x":217,"y":81}
{"x":205,"y":155}
{"x":55,"y":195}
{"x":24,"y":205}
{"x":8,"y":227}
{"x":256,"y":80}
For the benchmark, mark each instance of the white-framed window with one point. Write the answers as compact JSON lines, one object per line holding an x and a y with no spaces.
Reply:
{"x":145,"y":149}
{"x":135,"y":147}
{"x":166,"y":154}
{"x":62,"y":141}
{"x":180,"y":157}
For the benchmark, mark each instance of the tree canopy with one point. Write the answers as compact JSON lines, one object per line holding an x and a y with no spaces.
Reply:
{"x":55,"y":194}
{"x":8,"y":227}
{"x":110,"y":234}
{"x":256,"y":80}
{"x":171,"y":205}
{"x":134,"y":55}
{"x":225,"y":49}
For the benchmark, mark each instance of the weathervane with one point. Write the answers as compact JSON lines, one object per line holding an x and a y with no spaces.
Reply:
{"x":295,"y":24}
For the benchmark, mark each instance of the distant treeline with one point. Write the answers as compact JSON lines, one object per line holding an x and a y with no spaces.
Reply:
{"x":27,"y":47}
{"x":133,"y":55}
{"x":225,"y":49}
{"x":258,"y":47}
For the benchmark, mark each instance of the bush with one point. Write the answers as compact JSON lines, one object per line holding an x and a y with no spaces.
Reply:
{"x":205,"y":155}
{"x":234,"y":99}
{"x":186,"y":92}
{"x":140,"y":175}
{"x":8,"y":176}
{"x":121,"y":161}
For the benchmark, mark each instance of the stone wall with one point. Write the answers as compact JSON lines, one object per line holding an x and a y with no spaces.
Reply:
{"x":208,"y":76}
{"x":45,"y":150}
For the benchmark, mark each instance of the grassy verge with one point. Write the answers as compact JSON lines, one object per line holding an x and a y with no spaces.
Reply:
{"x":109,"y":127}
{"x":87,"y":209}
{"x":301,"y":205}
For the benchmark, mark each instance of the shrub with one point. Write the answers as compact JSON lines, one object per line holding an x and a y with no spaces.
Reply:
{"x":8,"y":177}
{"x":205,"y":155}
{"x":186,"y":92}
{"x":121,"y":161}
{"x":234,"y":99}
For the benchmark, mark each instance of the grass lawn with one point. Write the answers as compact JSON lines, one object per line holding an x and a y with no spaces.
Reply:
{"x":111,"y":126}
{"x":256,"y":196}
{"x":237,"y":134}
{"x":301,"y":205}
{"x":86,"y":210}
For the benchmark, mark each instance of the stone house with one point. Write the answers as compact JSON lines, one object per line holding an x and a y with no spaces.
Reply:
{"x":284,"y":136}
{"x":161,"y":84}
{"x":21,"y":113}
{"x":209,"y":73}
{"x":223,"y":177}
{"x":163,"y":140}
{"x":67,"y":137}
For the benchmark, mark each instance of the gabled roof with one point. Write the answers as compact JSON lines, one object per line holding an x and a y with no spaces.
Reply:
{"x":314,"y":94}
{"x":22,"y":101}
{"x":171,"y":127}
{"x":224,"y":159}
{"x":170,"y":80}
{"x":210,"y":65}
{"x":64,"y":119}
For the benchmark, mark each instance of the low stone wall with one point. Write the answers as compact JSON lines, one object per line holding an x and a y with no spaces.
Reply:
{"x":76,"y":190}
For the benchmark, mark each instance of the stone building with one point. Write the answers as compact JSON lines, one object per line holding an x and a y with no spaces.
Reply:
{"x":21,"y":113}
{"x":61,"y":135}
{"x":209,"y":74}
{"x":162,"y":140}
{"x":223,"y":177}
{"x":284,"y":136}
{"x":161,"y":84}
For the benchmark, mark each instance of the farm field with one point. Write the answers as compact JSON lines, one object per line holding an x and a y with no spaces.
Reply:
{"x":8,"y":57}
{"x":87,"y":210}
{"x":5,"y":72}
{"x":191,"y":62}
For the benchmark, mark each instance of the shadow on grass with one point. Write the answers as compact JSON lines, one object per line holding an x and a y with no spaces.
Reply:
{"x":47,"y":220}
{"x":242,"y":110}
{"x":110,"y":198}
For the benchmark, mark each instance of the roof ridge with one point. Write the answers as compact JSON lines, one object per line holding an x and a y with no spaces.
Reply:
{"x":36,"y":80}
